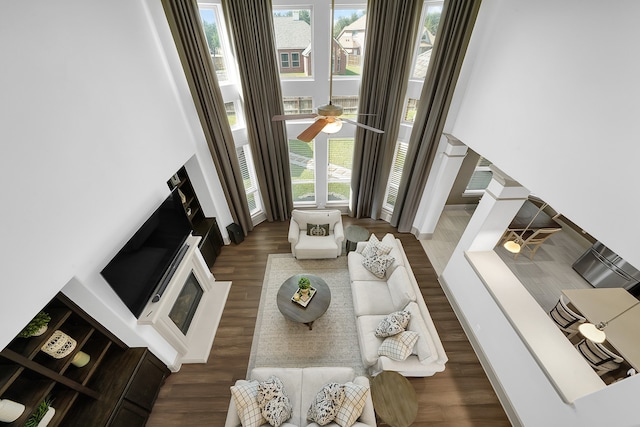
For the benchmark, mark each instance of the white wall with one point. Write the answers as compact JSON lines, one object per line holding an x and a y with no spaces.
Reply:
{"x":92,"y":125}
{"x":549,"y":94}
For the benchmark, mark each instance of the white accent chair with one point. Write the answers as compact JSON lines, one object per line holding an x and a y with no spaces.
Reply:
{"x":316,"y":246}
{"x":599,"y":357}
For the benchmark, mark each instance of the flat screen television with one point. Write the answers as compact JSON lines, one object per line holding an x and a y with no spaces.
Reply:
{"x":143,"y":267}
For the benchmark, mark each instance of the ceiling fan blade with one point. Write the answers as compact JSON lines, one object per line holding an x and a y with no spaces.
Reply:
{"x":278,"y":118}
{"x":316,"y":127}
{"x":353,"y":122}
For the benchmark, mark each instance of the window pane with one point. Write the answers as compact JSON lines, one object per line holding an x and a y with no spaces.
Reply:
{"x":349,"y":105}
{"x":210,"y":23}
{"x":293,"y":41}
{"x":411,"y":110}
{"x":302,"y":164}
{"x":340,"y":165}
{"x":297,"y":104}
{"x":395,"y":175}
{"x":349,"y":29}
{"x":427,"y":38}
{"x":481,"y":176}
{"x":248,"y":178}
{"x":231,"y":113}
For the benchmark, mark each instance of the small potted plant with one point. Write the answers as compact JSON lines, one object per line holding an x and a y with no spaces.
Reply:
{"x":37,"y":326}
{"x":304,"y":284}
{"x":42,"y":415}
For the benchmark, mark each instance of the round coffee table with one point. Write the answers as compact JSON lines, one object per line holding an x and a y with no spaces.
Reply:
{"x":316,"y":307}
{"x":394,"y":399}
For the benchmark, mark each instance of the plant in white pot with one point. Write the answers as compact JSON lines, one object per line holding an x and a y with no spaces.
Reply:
{"x":37,"y":326}
{"x":304,"y":285}
{"x":42,"y":415}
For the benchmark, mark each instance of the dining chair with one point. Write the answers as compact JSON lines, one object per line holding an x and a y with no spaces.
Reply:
{"x":599,"y":357}
{"x":565,"y":318}
{"x":532,"y":239}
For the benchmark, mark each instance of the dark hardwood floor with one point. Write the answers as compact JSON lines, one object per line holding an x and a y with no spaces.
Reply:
{"x":199,"y":394}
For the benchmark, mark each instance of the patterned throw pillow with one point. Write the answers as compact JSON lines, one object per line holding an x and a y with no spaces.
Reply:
{"x":400,"y":346}
{"x":326,"y":404}
{"x":317,"y":229}
{"x":273,"y":401}
{"x":355,"y":397}
{"x":393,"y":324}
{"x":378,"y":264}
{"x":245,"y":395}
{"x":375,"y":247}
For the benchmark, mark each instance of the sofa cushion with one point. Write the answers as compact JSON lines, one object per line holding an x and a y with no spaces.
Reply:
{"x":273,"y":401}
{"x":355,"y":397}
{"x":326,"y":404}
{"x":392,"y":324}
{"x":400,"y":288}
{"x":371,"y":297}
{"x":369,"y":343}
{"x":400,"y":346}
{"x":244,"y":394}
{"x":378,"y":264}
{"x":375,"y":247}
{"x":425,"y":349}
{"x":396,"y":251}
{"x":315,"y":217}
{"x":357,"y":270}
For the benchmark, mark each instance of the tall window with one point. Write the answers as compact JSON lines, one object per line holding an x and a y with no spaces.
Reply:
{"x":249,"y":178}
{"x":395,"y":175}
{"x":292,"y":28}
{"x":339,"y":170}
{"x":302,"y":165}
{"x":211,"y":23}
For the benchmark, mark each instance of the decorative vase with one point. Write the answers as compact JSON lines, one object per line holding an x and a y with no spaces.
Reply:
{"x":10,"y":410}
{"x":80,"y":359}
{"x":47,"y":417}
{"x":59,"y":345}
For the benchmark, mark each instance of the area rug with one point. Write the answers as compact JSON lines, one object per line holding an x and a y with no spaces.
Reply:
{"x":333,"y":341}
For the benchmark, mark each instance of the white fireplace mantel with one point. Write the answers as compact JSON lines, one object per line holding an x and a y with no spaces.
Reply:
{"x":195,"y":346}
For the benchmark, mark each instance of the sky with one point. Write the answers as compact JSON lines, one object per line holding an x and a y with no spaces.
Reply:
{"x":208,"y":16}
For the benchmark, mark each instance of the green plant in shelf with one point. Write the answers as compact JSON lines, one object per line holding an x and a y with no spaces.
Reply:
{"x":39,"y":413}
{"x":36,"y":324}
{"x":304,"y":283}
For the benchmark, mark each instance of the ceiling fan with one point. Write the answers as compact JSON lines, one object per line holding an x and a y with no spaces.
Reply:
{"x":328,"y":118}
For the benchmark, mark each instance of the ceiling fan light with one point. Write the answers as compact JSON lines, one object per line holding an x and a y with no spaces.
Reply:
{"x":332,"y":127}
{"x":512,"y":246}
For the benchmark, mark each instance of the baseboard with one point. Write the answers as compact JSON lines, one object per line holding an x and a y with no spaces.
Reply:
{"x":484,"y":361}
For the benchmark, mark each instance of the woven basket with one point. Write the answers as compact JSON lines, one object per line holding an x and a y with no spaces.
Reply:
{"x":59,"y":345}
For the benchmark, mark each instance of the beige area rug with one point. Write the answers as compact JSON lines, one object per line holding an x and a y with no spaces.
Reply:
{"x":278,"y":342}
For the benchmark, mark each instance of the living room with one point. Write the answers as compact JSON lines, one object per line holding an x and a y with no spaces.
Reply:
{"x":94,"y":123}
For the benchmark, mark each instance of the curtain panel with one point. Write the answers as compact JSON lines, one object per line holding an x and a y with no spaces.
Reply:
{"x":184,"y":20}
{"x":392,"y":26}
{"x":456,"y":26}
{"x":251,"y":26}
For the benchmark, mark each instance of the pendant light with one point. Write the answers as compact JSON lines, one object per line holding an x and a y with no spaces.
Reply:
{"x":515,"y":245}
{"x":596,"y":332}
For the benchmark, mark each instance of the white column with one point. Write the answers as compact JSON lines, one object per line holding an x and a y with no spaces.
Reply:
{"x":502,"y":200}
{"x":441,"y":179}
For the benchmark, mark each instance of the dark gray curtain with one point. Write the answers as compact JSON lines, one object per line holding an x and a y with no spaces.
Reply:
{"x":251,"y":26}
{"x":456,"y":25}
{"x":391,"y":31}
{"x":186,"y":26}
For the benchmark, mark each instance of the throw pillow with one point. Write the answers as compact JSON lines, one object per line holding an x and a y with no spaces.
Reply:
{"x":393,"y":324}
{"x":317,"y":229}
{"x":355,"y":397}
{"x":273,"y":401}
{"x":245,"y":395}
{"x":425,"y":348}
{"x":378,"y":264}
{"x":375,"y":247}
{"x":326,"y":404}
{"x":398,"y":347}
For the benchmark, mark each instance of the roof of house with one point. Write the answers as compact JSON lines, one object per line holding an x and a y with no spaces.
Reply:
{"x":291,"y":33}
{"x":422,"y":63}
{"x":359,"y":24}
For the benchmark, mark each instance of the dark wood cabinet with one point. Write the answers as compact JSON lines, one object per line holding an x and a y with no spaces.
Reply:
{"x":206,"y":227}
{"x":88,"y":395}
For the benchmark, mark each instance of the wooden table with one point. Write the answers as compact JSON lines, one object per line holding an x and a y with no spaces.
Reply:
{"x":296,"y":312}
{"x":394,"y":399}
{"x":526,"y":213}
{"x":354,"y":234}
{"x":602,"y":305}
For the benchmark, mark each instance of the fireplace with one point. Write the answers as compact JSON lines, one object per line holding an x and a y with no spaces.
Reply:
{"x":189,"y":310}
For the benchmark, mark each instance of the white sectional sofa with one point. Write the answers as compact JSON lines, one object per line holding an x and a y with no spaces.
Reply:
{"x":302,"y":385}
{"x":374,"y":298}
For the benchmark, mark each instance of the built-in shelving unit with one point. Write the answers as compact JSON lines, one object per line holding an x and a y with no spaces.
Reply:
{"x":96,"y":394}
{"x":205,"y":227}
